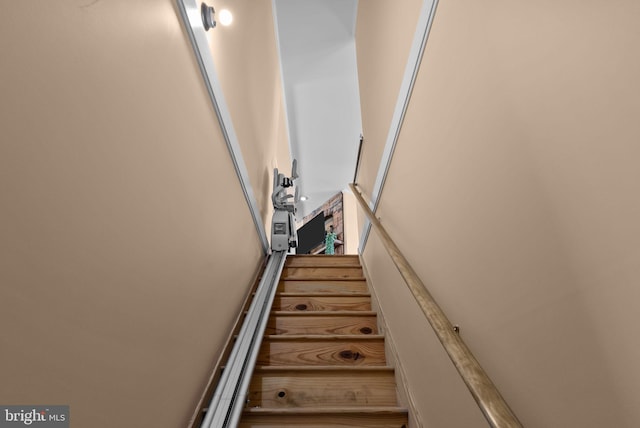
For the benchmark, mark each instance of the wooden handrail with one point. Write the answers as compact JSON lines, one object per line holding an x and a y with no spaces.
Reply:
{"x":491,"y":403}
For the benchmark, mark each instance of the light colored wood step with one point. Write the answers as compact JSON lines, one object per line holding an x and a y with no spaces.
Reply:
{"x":322,"y":260}
{"x":325,"y":294}
{"x":321,"y":294}
{"x":301,"y":387}
{"x":322,"y":362}
{"x":378,"y":417}
{"x":321,"y":303}
{"x":323,"y":286}
{"x":324,"y":273}
{"x":346,"y":350}
{"x":324,"y":313}
{"x":326,"y":323}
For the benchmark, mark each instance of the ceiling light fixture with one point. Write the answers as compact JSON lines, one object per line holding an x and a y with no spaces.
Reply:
{"x":226,"y":18}
{"x":209,"y":16}
{"x":303,"y":198}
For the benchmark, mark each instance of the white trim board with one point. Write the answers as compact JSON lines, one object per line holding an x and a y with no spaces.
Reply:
{"x":274,"y":11}
{"x":190,"y":12}
{"x":406,"y":88}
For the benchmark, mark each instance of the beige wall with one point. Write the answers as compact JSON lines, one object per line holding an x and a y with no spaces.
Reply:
{"x":428,"y":383}
{"x":248,"y":66}
{"x":350,"y":218}
{"x":514,"y":194}
{"x":126,"y":244}
{"x":383,"y":39}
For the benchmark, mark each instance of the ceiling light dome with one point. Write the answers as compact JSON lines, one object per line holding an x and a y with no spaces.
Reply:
{"x":225,"y":17}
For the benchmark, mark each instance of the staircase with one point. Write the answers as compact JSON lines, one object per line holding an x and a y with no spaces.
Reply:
{"x":322,"y":362}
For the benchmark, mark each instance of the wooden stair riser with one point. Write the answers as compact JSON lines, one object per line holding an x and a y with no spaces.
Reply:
{"x":321,"y":286}
{"x":319,"y":303}
{"x":316,"y":352}
{"x":318,"y":261}
{"x":290,"y":325}
{"x":289,"y":273}
{"x":382,"y":419}
{"x":303,"y":388}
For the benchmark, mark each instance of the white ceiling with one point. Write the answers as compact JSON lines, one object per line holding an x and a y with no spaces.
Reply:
{"x":318,"y":58}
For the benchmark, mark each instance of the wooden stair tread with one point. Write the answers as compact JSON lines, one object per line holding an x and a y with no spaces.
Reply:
{"x":318,"y":261}
{"x":325,"y":279}
{"x":322,"y":261}
{"x":355,"y":351}
{"x":321,"y":368}
{"x":324,"y":323}
{"x":361,"y":279}
{"x":325,"y":388}
{"x":324,"y":269}
{"x":322,"y":256}
{"x":323,"y":313}
{"x":324,"y":337}
{"x":321,"y":294}
{"x":323,"y":286}
{"x":320,"y":337}
{"x":327,"y":410}
{"x":324,"y":368}
{"x":314,"y":266}
{"x":323,"y":273}
{"x":321,"y":303}
{"x":340,"y":418}
{"x":317,"y":258}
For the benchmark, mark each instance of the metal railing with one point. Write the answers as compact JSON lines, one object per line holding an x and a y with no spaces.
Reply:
{"x":358,"y":159}
{"x":230,"y":396}
{"x":491,"y":403}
